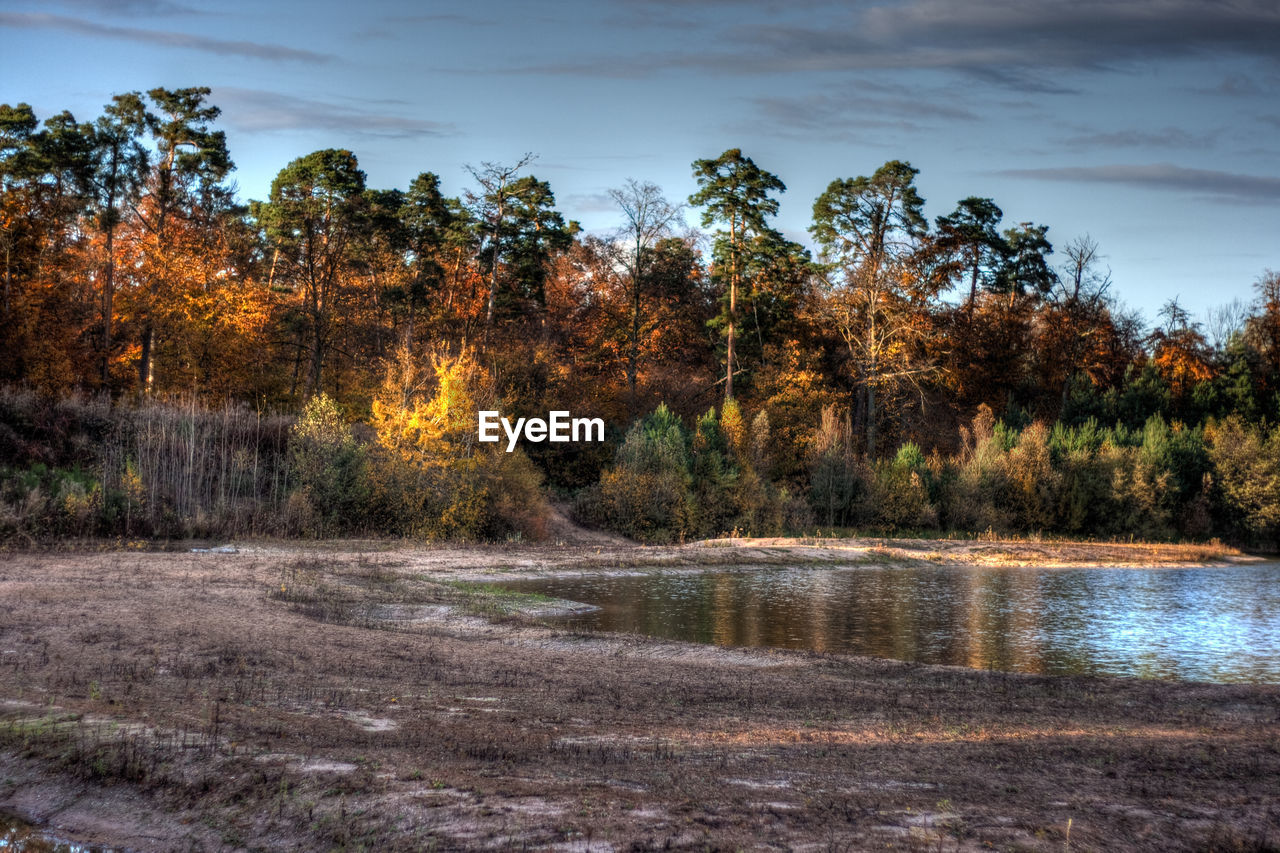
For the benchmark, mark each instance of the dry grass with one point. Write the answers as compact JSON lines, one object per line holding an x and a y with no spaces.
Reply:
{"x":334,"y":700}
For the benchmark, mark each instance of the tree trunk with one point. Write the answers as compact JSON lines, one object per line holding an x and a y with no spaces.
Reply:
{"x":733,"y":309}
{"x":145,"y":372}
{"x":871,"y":421}
{"x":634,"y":356}
{"x":108,"y":293}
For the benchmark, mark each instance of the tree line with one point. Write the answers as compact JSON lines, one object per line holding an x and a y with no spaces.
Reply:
{"x":797,"y":381}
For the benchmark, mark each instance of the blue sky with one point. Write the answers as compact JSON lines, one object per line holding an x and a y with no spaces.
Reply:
{"x":1152,"y":125}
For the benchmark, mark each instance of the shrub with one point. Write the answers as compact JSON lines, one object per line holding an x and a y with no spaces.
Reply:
{"x":646,"y":494}
{"x":429,"y":475}
{"x":1247,"y":464}
{"x":328,"y":467}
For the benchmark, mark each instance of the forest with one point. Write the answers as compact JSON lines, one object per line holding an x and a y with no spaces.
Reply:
{"x":180,"y":362}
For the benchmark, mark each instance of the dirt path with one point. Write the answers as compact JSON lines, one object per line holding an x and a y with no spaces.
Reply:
{"x":343,"y":697}
{"x":563,"y":530}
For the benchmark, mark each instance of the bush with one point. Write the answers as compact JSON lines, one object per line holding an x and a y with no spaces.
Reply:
{"x":646,"y":494}
{"x":429,"y":476}
{"x":329,"y":469}
{"x":1246,"y":460}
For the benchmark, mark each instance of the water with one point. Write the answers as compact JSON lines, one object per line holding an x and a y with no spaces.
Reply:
{"x":21,"y":837}
{"x":1192,"y":624}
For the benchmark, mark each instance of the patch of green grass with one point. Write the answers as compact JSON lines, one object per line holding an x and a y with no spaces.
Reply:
{"x":492,"y":600}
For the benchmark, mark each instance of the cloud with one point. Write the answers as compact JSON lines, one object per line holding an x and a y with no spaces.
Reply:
{"x":163,"y":38}
{"x":849,"y":111}
{"x":441,"y":18}
{"x":1169,"y":137}
{"x":260,"y":111}
{"x":591,"y":203}
{"x":131,"y":7}
{"x":1014,"y":43}
{"x":860,"y":108}
{"x":1235,"y":84}
{"x":1219,"y":186}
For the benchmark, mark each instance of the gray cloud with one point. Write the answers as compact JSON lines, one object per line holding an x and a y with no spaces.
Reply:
{"x":858,"y":108}
{"x":441,"y":18}
{"x":591,"y":203}
{"x":1219,"y":186}
{"x":1014,"y":43}
{"x":259,"y":110}
{"x":1168,"y":137}
{"x":130,"y":7}
{"x":163,"y":38}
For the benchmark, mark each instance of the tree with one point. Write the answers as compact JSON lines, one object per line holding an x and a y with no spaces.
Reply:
{"x":17,"y":124}
{"x":870,"y":230}
{"x":1078,"y":314}
{"x":489,"y":207}
{"x":519,"y":229}
{"x":1179,"y":351}
{"x":533,"y":231}
{"x":1263,"y":332}
{"x":1026,"y":268}
{"x":312,"y":220}
{"x":427,"y":218}
{"x":120,"y":166}
{"x":185,"y":182}
{"x":46,"y":304}
{"x":649,"y":217}
{"x":972,"y":246}
{"x":736,"y":192}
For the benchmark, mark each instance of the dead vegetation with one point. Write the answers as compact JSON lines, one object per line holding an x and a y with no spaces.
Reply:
{"x":337,"y":700}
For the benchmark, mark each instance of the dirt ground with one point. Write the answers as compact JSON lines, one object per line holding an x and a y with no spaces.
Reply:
{"x":363,"y":696}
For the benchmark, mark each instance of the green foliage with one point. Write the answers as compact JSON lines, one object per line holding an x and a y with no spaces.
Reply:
{"x":899,"y":496}
{"x":1246,"y":460}
{"x":668,"y":484}
{"x":835,"y":482}
{"x":646,"y":495}
{"x":328,"y":468}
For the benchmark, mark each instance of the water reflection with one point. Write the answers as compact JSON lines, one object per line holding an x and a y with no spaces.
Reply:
{"x":1202,"y":624}
{"x":21,"y":837}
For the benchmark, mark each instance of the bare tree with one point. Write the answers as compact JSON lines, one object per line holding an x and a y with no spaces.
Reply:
{"x":1224,"y":322}
{"x":649,"y":216}
{"x":1083,"y":279}
{"x":1080,"y":306}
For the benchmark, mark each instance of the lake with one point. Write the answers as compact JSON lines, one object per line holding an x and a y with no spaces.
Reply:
{"x":1218,"y":624}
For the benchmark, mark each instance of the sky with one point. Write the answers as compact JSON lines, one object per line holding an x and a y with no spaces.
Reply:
{"x":1153,"y":126}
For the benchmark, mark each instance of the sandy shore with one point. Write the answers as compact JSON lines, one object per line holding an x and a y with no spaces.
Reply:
{"x":365,"y":696}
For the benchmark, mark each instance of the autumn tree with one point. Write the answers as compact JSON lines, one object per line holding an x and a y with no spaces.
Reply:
{"x":20,"y":234}
{"x":46,"y":306}
{"x":1075,"y":321}
{"x":183,"y":189}
{"x":1179,"y":351}
{"x":736,"y":193}
{"x":120,"y":166}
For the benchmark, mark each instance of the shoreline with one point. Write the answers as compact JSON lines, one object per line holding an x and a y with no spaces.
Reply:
{"x":269,"y":681}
